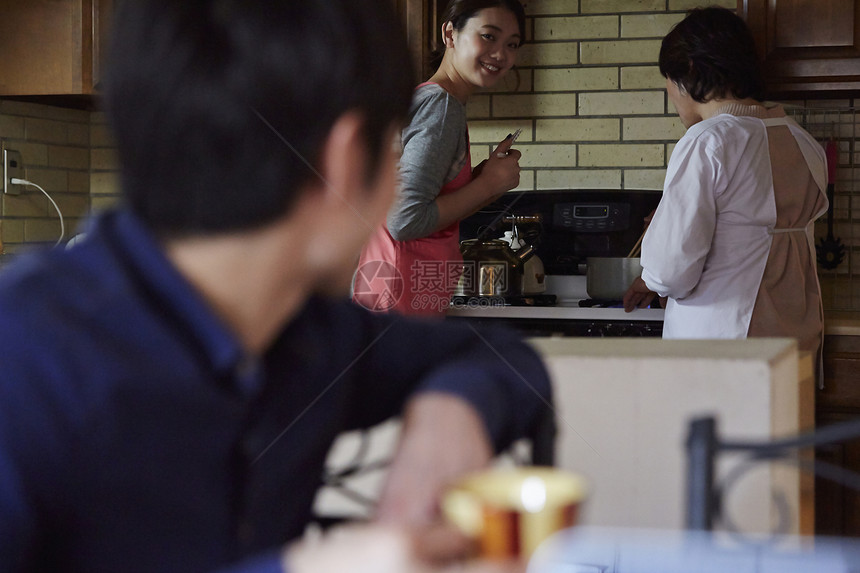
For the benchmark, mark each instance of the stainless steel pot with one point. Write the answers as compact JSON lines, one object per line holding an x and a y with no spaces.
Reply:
{"x":610,"y":277}
{"x":492,"y":268}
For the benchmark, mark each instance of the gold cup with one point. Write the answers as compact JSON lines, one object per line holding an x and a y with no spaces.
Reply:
{"x":510,"y":511}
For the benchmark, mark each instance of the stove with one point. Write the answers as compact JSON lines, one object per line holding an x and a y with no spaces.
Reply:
{"x":461,"y":301}
{"x":565,"y":227}
{"x":567,"y":317}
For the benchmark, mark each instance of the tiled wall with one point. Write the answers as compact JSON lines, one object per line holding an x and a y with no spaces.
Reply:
{"x":588,"y":97}
{"x":839,"y":119}
{"x":104,"y":168}
{"x":55,"y":151}
{"x":69,"y":154}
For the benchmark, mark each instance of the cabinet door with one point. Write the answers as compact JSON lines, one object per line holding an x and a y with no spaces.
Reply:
{"x":837,"y":507}
{"x":102,"y":12}
{"x":808,"y":48}
{"x":423,"y":30}
{"x":49,"y":46}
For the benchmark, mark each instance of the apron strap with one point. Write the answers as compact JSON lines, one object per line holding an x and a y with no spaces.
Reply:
{"x":775,"y":231}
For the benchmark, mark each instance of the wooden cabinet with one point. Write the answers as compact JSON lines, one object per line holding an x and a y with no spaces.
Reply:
{"x":422,"y":19}
{"x":809,"y":48}
{"x":52,"y":47}
{"x":837,"y":508}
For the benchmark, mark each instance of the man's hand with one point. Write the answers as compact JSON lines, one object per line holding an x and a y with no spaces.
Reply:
{"x":638,"y":295}
{"x":443,"y":438}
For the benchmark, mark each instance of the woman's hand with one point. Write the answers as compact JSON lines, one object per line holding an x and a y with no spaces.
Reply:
{"x":491,"y":178}
{"x":501,"y":171}
{"x":638,"y":295}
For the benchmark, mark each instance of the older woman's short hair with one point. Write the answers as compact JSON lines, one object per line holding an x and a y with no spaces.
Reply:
{"x":711,"y":54}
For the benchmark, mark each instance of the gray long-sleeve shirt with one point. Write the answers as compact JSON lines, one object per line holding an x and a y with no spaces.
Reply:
{"x":435,"y":149}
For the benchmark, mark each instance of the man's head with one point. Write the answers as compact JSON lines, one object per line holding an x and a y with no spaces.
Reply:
{"x":221,"y":108}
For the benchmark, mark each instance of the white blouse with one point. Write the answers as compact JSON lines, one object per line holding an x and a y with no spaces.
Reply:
{"x":708,"y":243}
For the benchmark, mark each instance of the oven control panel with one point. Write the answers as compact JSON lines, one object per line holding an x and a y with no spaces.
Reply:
{"x":591,"y":217}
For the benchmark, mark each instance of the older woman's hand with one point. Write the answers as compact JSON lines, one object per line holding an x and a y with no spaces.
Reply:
{"x":638,"y":295}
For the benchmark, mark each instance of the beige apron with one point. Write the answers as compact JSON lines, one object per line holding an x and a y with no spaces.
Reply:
{"x":788,"y":302}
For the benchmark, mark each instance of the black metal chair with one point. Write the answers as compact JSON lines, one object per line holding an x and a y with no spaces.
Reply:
{"x":704,"y":496}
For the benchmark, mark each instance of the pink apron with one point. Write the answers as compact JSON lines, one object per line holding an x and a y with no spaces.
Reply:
{"x":414,"y":277}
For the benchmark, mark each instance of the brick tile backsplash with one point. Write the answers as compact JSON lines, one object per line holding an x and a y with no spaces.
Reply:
{"x":575,"y":28}
{"x":547,"y":155}
{"x":68,"y":157}
{"x":541,"y":7}
{"x":621,"y":155}
{"x":621,"y":104}
{"x":575,"y":79}
{"x":494,"y":131}
{"x":548,"y":54}
{"x":648,"y":26}
{"x":537,"y":105}
{"x":642,"y":77}
{"x":578,"y":129}
{"x":684,"y":5}
{"x":579,"y":179}
{"x":644,"y":178}
{"x":55,"y":151}
{"x":618,"y":6}
{"x":620,"y":52}
{"x":652,"y":128}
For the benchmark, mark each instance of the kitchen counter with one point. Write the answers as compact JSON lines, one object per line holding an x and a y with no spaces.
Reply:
{"x":559,"y":312}
{"x":842,"y":323}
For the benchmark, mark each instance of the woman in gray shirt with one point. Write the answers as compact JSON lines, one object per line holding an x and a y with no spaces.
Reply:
{"x":413,"y":263}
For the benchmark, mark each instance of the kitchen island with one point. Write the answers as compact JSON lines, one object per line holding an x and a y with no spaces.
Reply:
{"x":623,"y":409}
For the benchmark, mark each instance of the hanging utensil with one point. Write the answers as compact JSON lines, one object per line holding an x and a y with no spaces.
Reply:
{"x":830,"y":251}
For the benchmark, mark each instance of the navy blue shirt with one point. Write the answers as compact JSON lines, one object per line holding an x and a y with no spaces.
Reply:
{"x":136,"y":435}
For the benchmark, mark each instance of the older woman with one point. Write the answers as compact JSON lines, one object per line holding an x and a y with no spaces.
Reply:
{"x":731,"y":243}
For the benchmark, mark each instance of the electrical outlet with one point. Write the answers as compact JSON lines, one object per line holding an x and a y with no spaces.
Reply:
{"x":13,"y":167}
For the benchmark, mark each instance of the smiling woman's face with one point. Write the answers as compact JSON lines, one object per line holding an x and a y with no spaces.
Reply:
{"x":486,"y":48}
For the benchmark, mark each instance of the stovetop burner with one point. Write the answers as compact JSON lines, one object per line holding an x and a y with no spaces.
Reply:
{"x":461,"y":301}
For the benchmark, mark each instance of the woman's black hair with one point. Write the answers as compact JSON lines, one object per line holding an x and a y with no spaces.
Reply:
{"x":711,"y":54}
{"x":458,"y":12}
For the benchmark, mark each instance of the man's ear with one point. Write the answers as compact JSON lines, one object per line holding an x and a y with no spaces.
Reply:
{"x":343,"y":165}
{"x":448,"y":35}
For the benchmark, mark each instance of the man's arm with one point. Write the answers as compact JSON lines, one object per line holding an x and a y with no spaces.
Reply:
{"x":469,"y":393}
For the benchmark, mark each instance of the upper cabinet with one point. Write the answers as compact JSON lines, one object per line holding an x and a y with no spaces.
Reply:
{"x":52,"y":47}
{"x":423,"y":25}
{"x":809,"y":48}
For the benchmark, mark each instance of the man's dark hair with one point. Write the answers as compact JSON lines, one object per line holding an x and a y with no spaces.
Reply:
{"x":220,"y":108}
{"x":711,"y":54}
